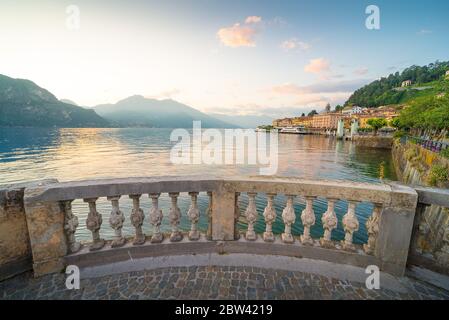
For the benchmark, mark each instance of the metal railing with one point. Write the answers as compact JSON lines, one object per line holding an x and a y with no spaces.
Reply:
{"x":432,"y":145}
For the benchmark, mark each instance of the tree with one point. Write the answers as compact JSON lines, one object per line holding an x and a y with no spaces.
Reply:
{"x":426,"y":113}
{"x":303,"y":114}
{"x":312,"y":113}
{"x":395,"y":123}
{"x":380,"y":92}
{"x":338,"y":108}
{"x":376,"y":124}
{"x":328,"y":108}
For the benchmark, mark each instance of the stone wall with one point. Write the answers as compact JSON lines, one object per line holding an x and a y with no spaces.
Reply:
{"x":380,"y":142}
{"x":15,"y":246}
{"x":15,"y":252}
{"x":431,"y":236}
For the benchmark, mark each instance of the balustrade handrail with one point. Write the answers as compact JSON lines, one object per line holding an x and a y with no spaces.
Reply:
{"x":48,"y":210}
{"x":339,"y":189}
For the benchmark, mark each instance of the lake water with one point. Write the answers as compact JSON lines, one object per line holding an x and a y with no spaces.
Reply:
{"x":77,"y":154}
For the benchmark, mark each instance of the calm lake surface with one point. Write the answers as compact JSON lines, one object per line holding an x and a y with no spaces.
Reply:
{"x":77,"y":154}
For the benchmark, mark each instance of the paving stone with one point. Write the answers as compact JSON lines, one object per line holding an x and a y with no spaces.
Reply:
{"x":211,"y":282}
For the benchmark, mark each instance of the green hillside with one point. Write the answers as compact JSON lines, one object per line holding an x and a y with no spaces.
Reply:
{"x":23,"y":103}
{"x":427,"y":81}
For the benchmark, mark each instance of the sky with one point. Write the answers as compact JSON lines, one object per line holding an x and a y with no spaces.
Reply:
{"x":276,"y":58}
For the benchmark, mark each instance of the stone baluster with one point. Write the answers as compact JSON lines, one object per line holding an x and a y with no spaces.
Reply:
{"x":350,"y":225}
{"x":137,"y":217}
{"x":194,"y":216}
{"x":236,"y":216}
{"x":93,"y":223}
{"x":70,"y":225}
{"x":372,"y":227}
{"x":116,"y":220}
{"x":251,"y":216}
{"x":330,"y":222}
{"x":270,"y":216}
{"x":156,"y":218}
{"x":175,"y":217}
{"x":289,"y":217}
{"x":308,"y":220}
{"x":442,"y":255}
{"x":209,"y":217}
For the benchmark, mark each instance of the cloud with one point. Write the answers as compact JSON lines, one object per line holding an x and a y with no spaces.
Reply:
{"x":252,"y":109}
{"x":361,"y":71}
{"x":323,"y":87}
{"x":278,"y":21}
{"x":240,"y":35}
{"x":237,"y":36}
{"x":253,"y":19}
{"x":290,"y":100}
{"x":319,"y":94}
{"x":294,"y":43}
{"x":317,"y":66}
{"x":424,"y":32}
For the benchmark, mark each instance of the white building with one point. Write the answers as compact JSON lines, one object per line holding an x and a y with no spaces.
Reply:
{"x":406,"y":83}
{"x":353,"y":110}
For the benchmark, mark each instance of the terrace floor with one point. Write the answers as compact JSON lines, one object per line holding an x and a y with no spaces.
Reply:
{"x":308,"y":280}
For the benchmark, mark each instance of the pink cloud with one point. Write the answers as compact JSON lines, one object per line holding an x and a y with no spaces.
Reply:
{"x":317,"y":66}
{"x":237,"y":36}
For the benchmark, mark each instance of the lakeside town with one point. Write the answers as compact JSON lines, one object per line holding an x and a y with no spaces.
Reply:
{"x":209,"y":150}
{"x":327,"y":121}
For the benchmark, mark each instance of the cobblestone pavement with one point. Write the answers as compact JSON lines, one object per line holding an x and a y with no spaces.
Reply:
{"x":208,"y":283}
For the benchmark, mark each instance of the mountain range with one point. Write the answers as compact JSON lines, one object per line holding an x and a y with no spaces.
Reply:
{"x":24,"y":103}
{"x":138,"y":111}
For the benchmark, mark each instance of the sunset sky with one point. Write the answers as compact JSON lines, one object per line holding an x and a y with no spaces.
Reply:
{"x":247,"y":57}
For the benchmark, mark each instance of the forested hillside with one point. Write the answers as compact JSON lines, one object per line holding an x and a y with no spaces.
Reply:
{"x":384,"y":91}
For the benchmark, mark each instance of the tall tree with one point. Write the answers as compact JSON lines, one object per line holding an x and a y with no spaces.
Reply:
{"x":312,"y":113}
{"x":338,"y":108}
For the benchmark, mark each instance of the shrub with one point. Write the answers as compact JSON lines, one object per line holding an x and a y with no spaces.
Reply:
{"x":399,"y":134}
{"x":437,"y":175}
{"x":445,"y":153}
{"x":410,"y":154}
{"x":377,"y":123}
{"x":395,"y":123}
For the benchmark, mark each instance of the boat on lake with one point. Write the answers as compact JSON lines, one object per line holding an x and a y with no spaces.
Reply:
{"x":294,"y":130}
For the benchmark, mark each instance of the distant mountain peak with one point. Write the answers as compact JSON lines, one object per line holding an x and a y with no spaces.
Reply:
{"x":23,"y":91}
{"x":24,"y":103}
{"x":137,"y":110}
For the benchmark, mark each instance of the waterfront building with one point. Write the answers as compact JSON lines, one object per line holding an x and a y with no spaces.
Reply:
{"x":363,"y":120}
{"x":286,"y":122}
{"x":326,"y":121}
{"x":303,"y":121}
{"x":387,"y":113}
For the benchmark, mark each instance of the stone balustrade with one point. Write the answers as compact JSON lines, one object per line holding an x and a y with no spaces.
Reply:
{"x":430,"y":237}
{"x":52,"y":225}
